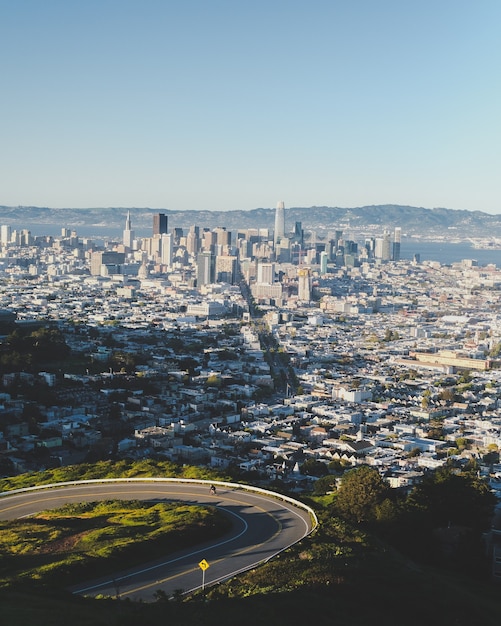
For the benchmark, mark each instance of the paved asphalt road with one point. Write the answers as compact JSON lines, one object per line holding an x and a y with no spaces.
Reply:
{"x":262,"y":527}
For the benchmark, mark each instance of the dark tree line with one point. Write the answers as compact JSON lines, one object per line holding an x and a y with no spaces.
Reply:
{"x":25,"y":349}
{"x":440,"y":520}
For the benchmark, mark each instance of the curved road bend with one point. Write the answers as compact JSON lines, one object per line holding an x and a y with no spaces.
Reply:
{"x":261,"y":528}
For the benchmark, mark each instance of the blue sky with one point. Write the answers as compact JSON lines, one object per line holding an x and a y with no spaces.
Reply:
{"x":219,"y":104}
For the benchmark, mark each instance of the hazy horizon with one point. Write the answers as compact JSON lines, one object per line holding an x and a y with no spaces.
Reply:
{"x":266,"y":208}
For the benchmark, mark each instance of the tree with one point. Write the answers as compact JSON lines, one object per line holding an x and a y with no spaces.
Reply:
{"x":447,"y":395}
{"x":425,"y":400}
{"x":312,"y":467}
{"x":413,"y":453}
{"x":362,"y":490}
{"x":214,"y":380}
{"x":123,"y":361}
{"x":391,"y":335}
{"x":324,"y":484}
{"x":495,"y":351}
{"x":456,"y":498}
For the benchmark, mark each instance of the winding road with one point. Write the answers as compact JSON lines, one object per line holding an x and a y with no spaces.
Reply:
{"x":263,"y":526}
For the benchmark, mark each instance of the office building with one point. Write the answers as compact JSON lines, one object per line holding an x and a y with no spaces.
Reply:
{"x":324,"y":257}
{"x":193,"y":240}
{"x":265,"y":273}
{"x":166,"y":249}
{"x":178,"y":234}
{"x":205,"y":268}
{"x":5,"y":234}
{"x":160,"y":224}
{"x":382,"y":249}
{"x":283,"y":251}
{"x":226,"y":269}
{"x":209,"y":239}
{"x":104,"y":263}
{"x":304,"y":284}
{"x":223,"y":236}
{"x":279,"y":223}
{"x":244,"y":248}
{"x":128,"y":233}
{"x":298,"y":235}
{"x":397,"y":238}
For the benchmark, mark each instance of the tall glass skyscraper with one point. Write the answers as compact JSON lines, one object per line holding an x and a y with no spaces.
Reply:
{"x":397,"y":238}
{"x":279,"y":223}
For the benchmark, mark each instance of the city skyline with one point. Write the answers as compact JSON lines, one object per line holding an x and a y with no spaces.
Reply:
{"x":186,"y":106}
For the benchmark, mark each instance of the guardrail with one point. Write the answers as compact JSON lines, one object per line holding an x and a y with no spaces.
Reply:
{"x":265,"y":492}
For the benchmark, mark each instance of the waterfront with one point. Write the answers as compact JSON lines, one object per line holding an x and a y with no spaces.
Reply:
{"x":447,"y":252}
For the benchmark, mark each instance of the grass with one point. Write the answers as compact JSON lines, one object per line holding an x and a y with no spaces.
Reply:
{"x":60,"y":547}
{"x":146,"y":468}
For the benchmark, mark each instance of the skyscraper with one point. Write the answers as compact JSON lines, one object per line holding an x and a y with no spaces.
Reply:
{"x":193,"y":240}
{"x":160,"y":224}
{"x":5,"y":234}
{"x":397,"y":238}
{"x":298,"y":233}
{"x":265,"y":273}
{"x":209,"y":239}
{"x":223,"y":237}
{"x":324,"y":257}
{"x":166,"y":249}
{"x":205,"y":268}
{"x":304,"y":284}
{"x":226,"y":269}
{"x":382,"y":249}
{"x":279,"y":223}
{"x":128,"y":234}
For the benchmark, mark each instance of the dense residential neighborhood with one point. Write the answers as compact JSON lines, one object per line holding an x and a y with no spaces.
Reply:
{"x":281,"y":371}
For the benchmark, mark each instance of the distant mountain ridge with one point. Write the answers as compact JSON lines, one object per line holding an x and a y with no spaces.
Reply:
{"x":413,"y":220}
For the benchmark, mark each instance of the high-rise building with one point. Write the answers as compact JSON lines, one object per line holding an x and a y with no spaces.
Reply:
{"x":193,"y":240}
{"x":128,"y":233}
{"x":209,"y":239}
{"x":5,"y":234}
{"x":178,"y":235}
{"x":166,"y":249}
{"x":304,"y":284}
{"x":283,"y":251}
{"x":244,"y":248}
{"x":279,"y":223}
{"x":160,"y":224}
{"x":223,"y":236}
{"x":265,"y":273}
{"x":397,"y":238}
{"x":382,"y":248}
{"x":205,"y":268}
{"x":154,"y":247}
{"x":109,"y":262}
{"x":298,"y":233}
{"x":226,"y":269}
{"x":324,"y":257}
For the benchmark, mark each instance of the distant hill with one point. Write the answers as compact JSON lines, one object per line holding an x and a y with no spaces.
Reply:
{"x":111,"y":221}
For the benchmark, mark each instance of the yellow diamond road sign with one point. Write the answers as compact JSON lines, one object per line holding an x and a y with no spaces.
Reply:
{"x":203,"y":565}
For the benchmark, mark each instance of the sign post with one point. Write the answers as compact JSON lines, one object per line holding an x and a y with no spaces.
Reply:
{"x":203,"y":565}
